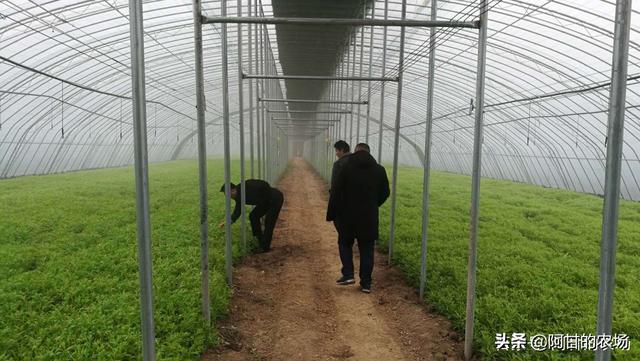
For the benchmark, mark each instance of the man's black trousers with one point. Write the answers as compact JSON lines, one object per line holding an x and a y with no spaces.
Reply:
{"x":366,"y":248}
{"x":270,"y":210}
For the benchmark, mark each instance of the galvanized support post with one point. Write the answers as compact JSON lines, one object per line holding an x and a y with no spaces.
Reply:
{"x":251,"y":130}
{"x":361,"y":61}
{"x":243,"y":197}
{"x":265,"y":90}
{"x":382,"y":87}
{"x":343,"y":87}
{"x":267,"y":126}
{"x":617,"y":97}
{"x":371,"y":34}
{"x":142,"y":178}
{"x":396,"y":141}
{"x":202,"y":163}
{"x":259,"y":91}
{"x":227,"y":152}
{"x":353,"y":90}
{"x":475,"y":180}
{"x":427,"y":152}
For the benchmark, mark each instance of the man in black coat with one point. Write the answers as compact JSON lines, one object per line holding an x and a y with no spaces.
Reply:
{"x":267,"y":201}
{"x":342,"y":153}
{"x":361,"y":187}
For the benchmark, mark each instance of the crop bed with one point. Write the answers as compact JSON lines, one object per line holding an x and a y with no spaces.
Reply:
{"x":538,"y":259}
{"x":69,"y":286}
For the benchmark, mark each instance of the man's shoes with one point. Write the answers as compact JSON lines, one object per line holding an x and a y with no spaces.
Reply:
{"x":343,"y":281}
{"x":265,"y":250}
{"x":365,"y":289}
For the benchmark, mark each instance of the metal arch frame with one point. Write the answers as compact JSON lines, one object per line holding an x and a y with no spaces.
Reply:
{"x":121,"y":152}
{"x":629,"y":11}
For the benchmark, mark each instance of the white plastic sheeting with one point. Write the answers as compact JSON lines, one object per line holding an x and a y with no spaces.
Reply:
{"x":65,"y":87}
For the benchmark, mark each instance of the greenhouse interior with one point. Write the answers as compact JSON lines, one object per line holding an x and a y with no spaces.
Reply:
{"x":492,"y":161}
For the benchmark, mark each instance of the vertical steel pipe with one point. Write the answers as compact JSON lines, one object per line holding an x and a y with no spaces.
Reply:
{"x":202,"y":162}
{"x":371,"y":34}
{"x":227,"y":152}
{"x":353,"y":90}
{"x":141,"y":172}
{"x":259,"y":86}
{"x":265,"y":92}
{"x":396,"y":138}
{"x":617,"y":97}
{"x":382,"y":88}
{"x":427,"y":152}
{"x":475,"y":180}
{"x":361,"y":62}
{"x":343,"y":90}
{"x":243,"y":198}
{"x":251,"y":130}
{"x":265,"y":128}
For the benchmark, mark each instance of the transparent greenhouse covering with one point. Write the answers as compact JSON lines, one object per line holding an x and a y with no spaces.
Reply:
{"x":65,"y":85}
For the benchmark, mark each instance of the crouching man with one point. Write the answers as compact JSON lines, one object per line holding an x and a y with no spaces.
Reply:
{"x":267,"y":201}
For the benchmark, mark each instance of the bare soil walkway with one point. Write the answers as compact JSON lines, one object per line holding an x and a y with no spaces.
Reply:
{"x":286,"y":305}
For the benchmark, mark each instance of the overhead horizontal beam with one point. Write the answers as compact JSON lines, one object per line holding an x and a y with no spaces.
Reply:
{"x":317,"y":77}
{"x":302,"y":137}
{"x":301,"y":130}
{"x":288,"y":134}
{"x":311,"y":101}
{"x":302,"y":126}
{"x":307,"y":120}
{"x":311,"y":111}
{"x":339,"y":21}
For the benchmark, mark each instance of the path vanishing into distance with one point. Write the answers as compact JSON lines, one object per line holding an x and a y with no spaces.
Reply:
{"x":286,"y":305}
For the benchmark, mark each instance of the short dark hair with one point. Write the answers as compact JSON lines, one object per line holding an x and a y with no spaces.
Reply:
{"x":230,"y":185}
{"x":342,"y":145}
{"x":364,"y":146}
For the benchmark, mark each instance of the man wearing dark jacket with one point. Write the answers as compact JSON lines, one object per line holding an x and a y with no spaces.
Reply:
{"x":342,"y":153}
{"x":360,"y":188}
{"x":267,"y":201}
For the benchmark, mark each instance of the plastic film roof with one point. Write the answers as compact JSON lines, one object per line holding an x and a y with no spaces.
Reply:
{"x":65,"y":84}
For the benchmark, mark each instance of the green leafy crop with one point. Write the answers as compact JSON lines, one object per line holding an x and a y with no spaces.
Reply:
{"x":69,"y":286}
{"x":538,"y":259}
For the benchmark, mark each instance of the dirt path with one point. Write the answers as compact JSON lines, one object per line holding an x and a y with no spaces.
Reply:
{"x":286,"y":305}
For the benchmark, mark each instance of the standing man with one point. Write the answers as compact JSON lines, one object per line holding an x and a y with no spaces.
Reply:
{"x":342,"y":153}
{"x":360,"y":188}
{"x":267,"y":201}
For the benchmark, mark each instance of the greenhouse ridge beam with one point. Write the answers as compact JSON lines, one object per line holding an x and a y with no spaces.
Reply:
{"x":310,"y":101}
{"x":339,"y":21}
{"x":317,"y":77}
{"x":307,"y":120}
{"x":311,"y":111}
